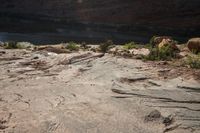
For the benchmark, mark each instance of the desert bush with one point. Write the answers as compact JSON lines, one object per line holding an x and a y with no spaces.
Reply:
{"x":24,"y":45}
{"x":72,"y":46}
{"x":104,"y":47}
{"x":11,"y":45}
{"x":17,"y":45}
{"x":131,"y":45}
{"x":193,"y":61}
{"x":148,"y":46}
{"x":164,"y":53}
{"x":151,"y":42}
{"x":155,"y":40}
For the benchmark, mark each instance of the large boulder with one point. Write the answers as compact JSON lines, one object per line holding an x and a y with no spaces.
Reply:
{"x":194,"y":45}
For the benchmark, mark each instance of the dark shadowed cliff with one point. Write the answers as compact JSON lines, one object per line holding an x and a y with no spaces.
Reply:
{"x":181,"y":13}
{"x":160,"y":16}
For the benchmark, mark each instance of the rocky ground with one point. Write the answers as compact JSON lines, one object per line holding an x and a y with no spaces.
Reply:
{"x":87,"y":92}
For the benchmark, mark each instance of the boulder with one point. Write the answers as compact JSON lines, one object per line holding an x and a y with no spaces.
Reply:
{"x":168,"y":42}
{"x":194,"y":45}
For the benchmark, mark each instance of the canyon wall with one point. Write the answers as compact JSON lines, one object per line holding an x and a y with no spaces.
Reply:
{"x":170,"y":13}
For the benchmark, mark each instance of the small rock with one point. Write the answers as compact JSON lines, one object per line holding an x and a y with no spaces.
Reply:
{"x":142,"y":51}
{"x":113,"y":50}
{"x":168,"y":120}
{"x":126,"y":54}
{"x":182,"y":54}
{"x":154,"y":83}
{"x":36,"y":57}
{"x":155,"y":115}
{"x":164,"y":70}
{"x":52,"y":54}
{"x":2,"y":52}
{"x":2,"y":127}
{"x":162,"y":63}
{"x":4,"y":119}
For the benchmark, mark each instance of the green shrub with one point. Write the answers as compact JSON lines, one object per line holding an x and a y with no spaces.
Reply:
{"x":24,"y":45}
{"x":164,"y":53}
{"x":72,"y":46}
{"x":131,"y":45}
{"x":17,"y":45}
{"x":193,"y":61}
{"x":104,"y":47}
{"x":11,"y":45}
{"x":151,"y":42}
{"x":148,"y":46}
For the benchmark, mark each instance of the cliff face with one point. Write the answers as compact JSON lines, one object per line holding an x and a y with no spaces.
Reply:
{"x":170,"y":13}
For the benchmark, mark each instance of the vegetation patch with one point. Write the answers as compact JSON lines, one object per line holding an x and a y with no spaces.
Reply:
{"x":148,"y":46}
{"x":193,"y":61}
{"x":164,"y":53}
{"x":131,"y":45}
{"x":104,"y":47}
{"x":72,"y":46}
{"x":17,"y":45}
{"x":11,"y":45}
{"x":151,"y":42}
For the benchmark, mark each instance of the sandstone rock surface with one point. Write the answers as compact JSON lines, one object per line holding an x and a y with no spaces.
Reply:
{"x":92,"y":92}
